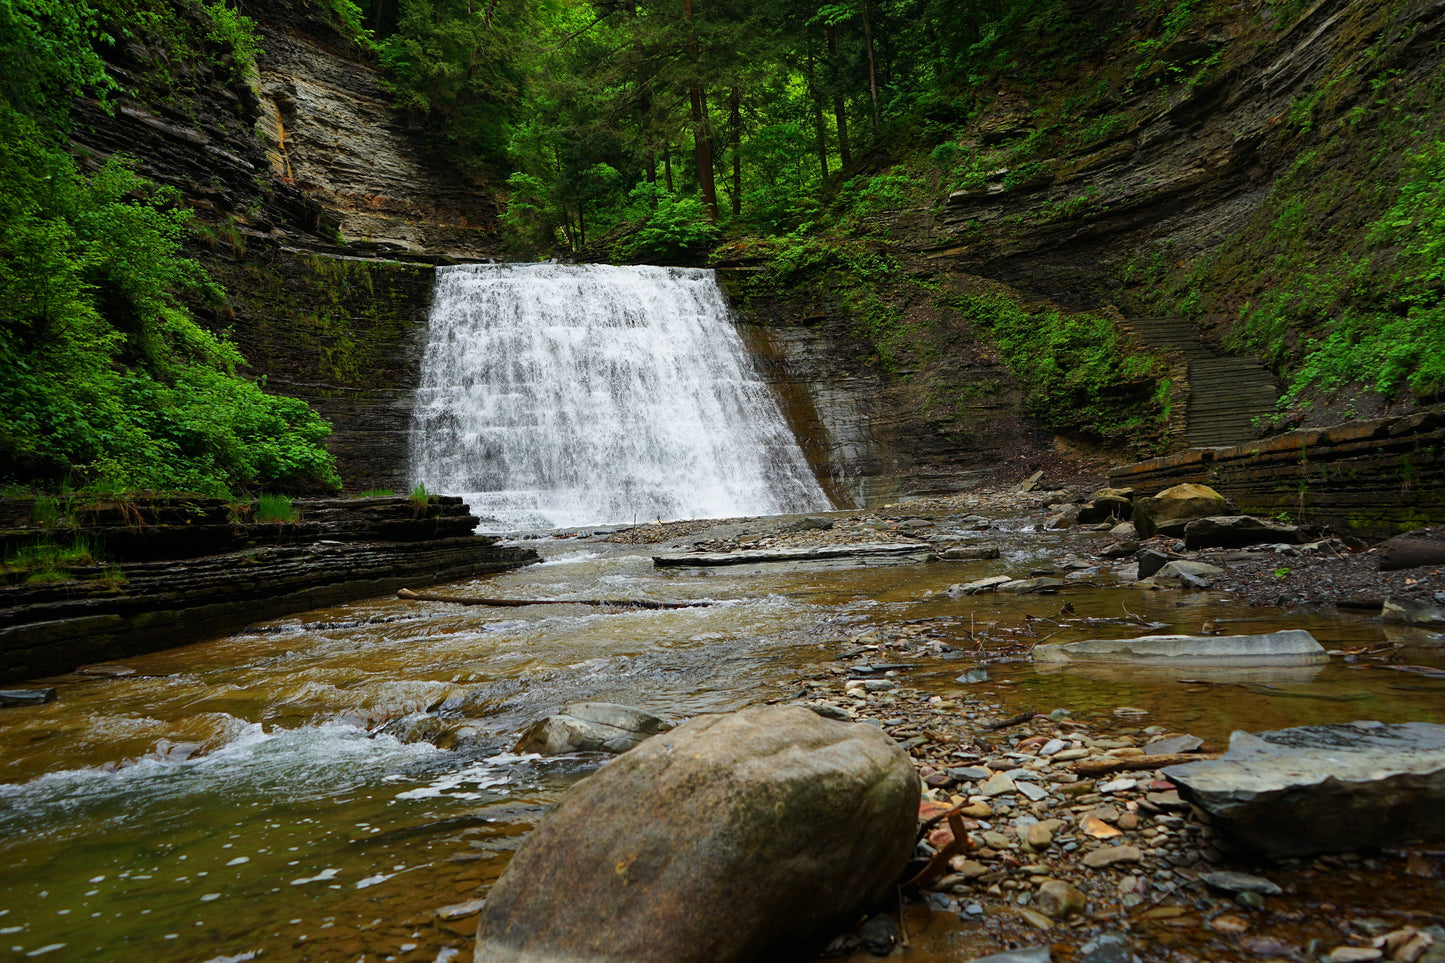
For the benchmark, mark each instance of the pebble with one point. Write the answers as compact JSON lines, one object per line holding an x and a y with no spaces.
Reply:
{"x":1112,"y":856}
{"x":1354,"y":954}
{"x":1038,"y":920}
{"x":1094,"y":826}
{"x":1228,"y":881}
{"x":997,"y":785}
{"x":1059,"y":900}
{"x":1038,"y":836}
{"x":1118,"y":785}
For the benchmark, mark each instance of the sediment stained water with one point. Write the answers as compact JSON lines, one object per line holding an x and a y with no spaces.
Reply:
{"x":254,"y":797}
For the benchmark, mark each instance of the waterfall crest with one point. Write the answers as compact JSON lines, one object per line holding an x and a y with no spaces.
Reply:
{"x":563,"y":395}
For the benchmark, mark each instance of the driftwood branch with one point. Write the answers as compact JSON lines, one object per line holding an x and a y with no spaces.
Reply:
{"x":1098,"y":767}
{"x":518,"y":603}
{"x":938,"y":863}
{"x":1017,"y":720}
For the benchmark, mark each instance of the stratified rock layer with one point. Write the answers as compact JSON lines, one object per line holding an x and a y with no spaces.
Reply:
{"x":182,"y":570}
{"x":729,"y":838}
{"x":1318,"y":789}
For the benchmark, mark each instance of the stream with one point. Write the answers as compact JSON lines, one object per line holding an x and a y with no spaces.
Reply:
{"x":256,"y":796}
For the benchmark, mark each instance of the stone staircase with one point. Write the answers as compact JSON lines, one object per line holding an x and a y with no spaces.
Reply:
{"x":1226,"y":393}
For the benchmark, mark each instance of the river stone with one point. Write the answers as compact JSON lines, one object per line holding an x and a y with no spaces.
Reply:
{"x":1411,"y":551}
{"x":1032,"y":954}
{"x":733,"y":837}
{"x":1028,"y":586}
{"x":1289,"y":647}
{"x":1234,"y":531}
{"x":1169,"y":511}
{"x":1229,"y":881}
{"x":1411,"y":612}
{"x":1107,"y":503}
{"x":1198,"y":575}
{"x":1111,"y":856}
{"x":26,"y":697}
{"x":1059,"y":900}
{"x":963,"y":553}
{"x":979,"y":585}
{"x":1320,"y":789}
{"x":1151,"y":561}
{"x":590,"y":727}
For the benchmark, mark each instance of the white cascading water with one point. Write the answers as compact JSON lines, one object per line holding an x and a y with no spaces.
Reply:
{"x":554,"y":396}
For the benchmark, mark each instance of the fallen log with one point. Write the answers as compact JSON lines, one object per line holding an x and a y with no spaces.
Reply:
{"x":1098,"y":767}
{"x":518,"y":603}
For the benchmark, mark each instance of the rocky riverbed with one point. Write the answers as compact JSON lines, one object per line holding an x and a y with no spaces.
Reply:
{"x":1074,"y":838}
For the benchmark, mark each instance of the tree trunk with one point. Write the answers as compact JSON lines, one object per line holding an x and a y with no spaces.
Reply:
{"x":735,"y":119}
{"x":820,"y":131}
{"x":701,"y":129}
{"x":840,"y":114}
{"x":872,"y":67}
{"x":667,"y":166}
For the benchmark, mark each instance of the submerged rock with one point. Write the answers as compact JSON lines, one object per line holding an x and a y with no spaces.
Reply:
{"x":1289,"y":647}
{"x":1169,"y":511}
{"x":590,"y":727}
{"x":1319,"y":789}
{"x":1195,"y":575}
{"x":732,"y":837}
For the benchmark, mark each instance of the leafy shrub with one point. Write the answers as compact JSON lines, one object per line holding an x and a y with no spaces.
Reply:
{"x":276,"y":509}
{"x":672,"y":229}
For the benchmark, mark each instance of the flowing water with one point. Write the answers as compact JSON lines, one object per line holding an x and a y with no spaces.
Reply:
{"x":245,"y":798}
{"x":562,"y":395}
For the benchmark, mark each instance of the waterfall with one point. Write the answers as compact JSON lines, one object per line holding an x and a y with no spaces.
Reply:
{"x":554,"y":396}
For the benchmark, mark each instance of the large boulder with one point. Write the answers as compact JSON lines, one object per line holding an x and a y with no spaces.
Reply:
{"x":733,"y":837}
{"x":1235,"y":531}
{"x":1169,"y":511}
{"x":1412,"y":550}
{"x":1289,"y":647}
{"x":1321,"y":789}
{"x":590,"y":727}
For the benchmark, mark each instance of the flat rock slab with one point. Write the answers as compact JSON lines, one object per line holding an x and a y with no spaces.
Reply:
{"x":1290,"y":647}
{"x":1320,"y":789}
{"x":743,"y":836}
{"x":862,"y":552}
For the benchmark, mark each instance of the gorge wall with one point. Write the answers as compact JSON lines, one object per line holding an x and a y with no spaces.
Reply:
{"x":322,"y":211}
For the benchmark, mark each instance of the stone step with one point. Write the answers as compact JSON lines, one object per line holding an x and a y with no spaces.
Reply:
{"x":1227,"y":393}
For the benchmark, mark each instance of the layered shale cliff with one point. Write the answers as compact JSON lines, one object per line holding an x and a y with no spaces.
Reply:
{"x":320,"y":211}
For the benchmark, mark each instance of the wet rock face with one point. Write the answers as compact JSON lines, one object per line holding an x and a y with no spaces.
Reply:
{"x":730,"y":837}
{"x":1319,"y":789}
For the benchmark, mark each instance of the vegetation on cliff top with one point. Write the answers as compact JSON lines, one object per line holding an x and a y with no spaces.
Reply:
{"x":105,"y":380}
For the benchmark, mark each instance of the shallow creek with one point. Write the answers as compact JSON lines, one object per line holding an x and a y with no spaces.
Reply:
{"x":236,"y":799}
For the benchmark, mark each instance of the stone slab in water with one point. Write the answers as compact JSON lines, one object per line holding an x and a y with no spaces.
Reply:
{"x":1289,"y":647}
{"x":735,"y":837}
{"x":1320,"y":789}
{"x":811,"y":553}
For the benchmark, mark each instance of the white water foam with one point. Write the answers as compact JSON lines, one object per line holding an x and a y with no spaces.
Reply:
{"x":554,"y":396}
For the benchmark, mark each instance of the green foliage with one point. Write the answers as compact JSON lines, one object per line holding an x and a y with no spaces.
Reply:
{"x":673,"y":228}
{"x":419,"y":495}
{"x":45,"y":561}
{"x":1079,"y":373}
{"x":104,"y":377}
{"x":231,"y":30}
{"x":275,"y":509}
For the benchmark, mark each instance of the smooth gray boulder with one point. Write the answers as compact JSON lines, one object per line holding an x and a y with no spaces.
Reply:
{"x":1322,"y":789}
{"x":1235,"y":531}
{"x":1290,"y":647}
{"x":754,"y":834}
{"x":1028,"y":586}
{"x":590,"y":727}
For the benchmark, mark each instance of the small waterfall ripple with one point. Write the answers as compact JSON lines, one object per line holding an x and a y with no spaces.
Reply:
{"x":565,"y":395}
